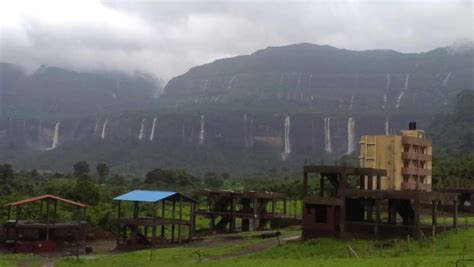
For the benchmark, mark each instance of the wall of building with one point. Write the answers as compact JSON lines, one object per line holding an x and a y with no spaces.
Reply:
{"x":402,"y":156}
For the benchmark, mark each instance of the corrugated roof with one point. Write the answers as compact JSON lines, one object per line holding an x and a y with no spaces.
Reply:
{"x":149,"y":196}
{"x":38,"y":198}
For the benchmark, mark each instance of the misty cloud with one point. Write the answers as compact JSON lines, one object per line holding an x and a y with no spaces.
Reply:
{"x":168,"y":37}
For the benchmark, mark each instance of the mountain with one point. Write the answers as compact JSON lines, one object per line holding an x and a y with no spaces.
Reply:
{"x":55,"y":93}
{"x":328,"y":80}
{"x":276,"y":108}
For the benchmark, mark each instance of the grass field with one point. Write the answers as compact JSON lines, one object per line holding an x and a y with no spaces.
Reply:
{"x":444,"y":251}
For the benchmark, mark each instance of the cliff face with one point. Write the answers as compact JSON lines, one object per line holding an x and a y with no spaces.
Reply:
{"x":278,"y":107}
{"x":222,"y":142}
{"x":329,"y":80}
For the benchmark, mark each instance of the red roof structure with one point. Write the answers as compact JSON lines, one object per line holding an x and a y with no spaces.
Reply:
{"x":48,"y":196}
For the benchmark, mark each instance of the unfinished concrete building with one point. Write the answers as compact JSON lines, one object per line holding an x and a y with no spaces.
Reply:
{"x":36,"y":225}
{"x":154,"y":211}
{"x":407,"y":157}
{"x":354,"y":204}
{"x":255,"y":210}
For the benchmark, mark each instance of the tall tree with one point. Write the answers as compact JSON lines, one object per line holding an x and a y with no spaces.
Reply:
{"x":80,"y":168}
{"x":102,"y":169}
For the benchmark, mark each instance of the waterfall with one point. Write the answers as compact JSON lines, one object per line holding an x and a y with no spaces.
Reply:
{"x":142,"y":128}
{"x":287,"y":149}
{"x":104,"y":126}
{"x":388,"y":82}
{"x":202,"y":132}
{"x":399,"y":98}
{"x":350,"y":136}
{"x":152,"y":134}
{"x":205,"y":84}
{"x":387,"y":88}
{"x":55,"y":142}
{"x":229,"y":84}
{"x":327,"y":135}
{"x":387,"y":129}
{"x":446,"y":79}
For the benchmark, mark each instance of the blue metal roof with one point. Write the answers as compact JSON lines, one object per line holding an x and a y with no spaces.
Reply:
{"x":145,"y":195}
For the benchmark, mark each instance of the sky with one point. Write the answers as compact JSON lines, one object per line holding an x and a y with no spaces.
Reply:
{"x":167,"y":38}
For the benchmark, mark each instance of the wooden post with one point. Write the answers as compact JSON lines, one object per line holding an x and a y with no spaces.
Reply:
{"x":8,"y":218}
{"x":16,"y":227}
{"x":47,"y":219}
{"x":273,"y":206}
{"x":78,"y":218}
{"x":192,"y":222}
{"x":362,"y":182}
{"x":416,"y":223}
{"x":153,"y":229}
{"x":173,"y":217}
{"x":119,"y":208}
{"x":162,"y":218}
{"x":180,"y":218}
{"x":379,"y":183}
{"x":255,"y":214}
{"x":134,"y":233}
{"x":232,"y":218}
{"x":455,"y":215}
{"x":305,"y":183}
{"x":434,"y":219}
{"x":370,"y":182}
{"x":377,"y":216}
{"x":321,"y":186}
{"x":284,"y":206}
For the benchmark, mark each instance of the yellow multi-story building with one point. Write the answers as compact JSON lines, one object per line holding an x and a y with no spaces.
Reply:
{"x":406,"y":157}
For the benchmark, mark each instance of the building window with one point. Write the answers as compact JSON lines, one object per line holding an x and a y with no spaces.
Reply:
{"x":321,"y":214}
{"x":406,"y":163}
{"x":405,"y":178}
{"x":406,"y":148}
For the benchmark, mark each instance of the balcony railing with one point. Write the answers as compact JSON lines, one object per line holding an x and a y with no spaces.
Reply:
{"x":416,"y":171}
{"x":408,"y":140}
{"x":415,"y":186}
{"x":416,"y":156}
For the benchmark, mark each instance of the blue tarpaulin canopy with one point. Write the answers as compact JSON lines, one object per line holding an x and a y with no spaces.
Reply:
{"x":151,"y":196}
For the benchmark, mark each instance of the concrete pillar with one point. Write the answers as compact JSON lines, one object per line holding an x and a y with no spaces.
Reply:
{"x":416,"y":223}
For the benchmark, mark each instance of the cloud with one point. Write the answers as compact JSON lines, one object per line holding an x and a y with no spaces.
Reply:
{"x":168,"y":37}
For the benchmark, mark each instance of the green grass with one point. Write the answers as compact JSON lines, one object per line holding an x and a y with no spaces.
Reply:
{"x":444,"y":251}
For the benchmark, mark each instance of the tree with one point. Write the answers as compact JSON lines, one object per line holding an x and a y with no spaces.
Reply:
{"x":86,"y":191}
{"x":6,"y":177}
{"x":81,"y":168}
{"x":159,"y":176}
{"x":102,"y":169}
{"x":212,"y":180}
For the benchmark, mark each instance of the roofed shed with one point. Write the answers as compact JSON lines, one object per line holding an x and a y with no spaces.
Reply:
{"x":37,"y":226}
{"x":150,"y":211}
